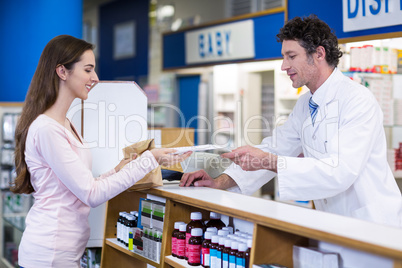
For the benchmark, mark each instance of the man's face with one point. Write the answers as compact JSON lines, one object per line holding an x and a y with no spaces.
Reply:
{"x":300,"y":67}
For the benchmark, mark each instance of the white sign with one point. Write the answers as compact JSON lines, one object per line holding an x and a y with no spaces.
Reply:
{"x":230,"y":41}
{"x":369,"y":14}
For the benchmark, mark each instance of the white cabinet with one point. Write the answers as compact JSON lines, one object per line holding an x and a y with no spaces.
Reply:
{"x":114,"y":116}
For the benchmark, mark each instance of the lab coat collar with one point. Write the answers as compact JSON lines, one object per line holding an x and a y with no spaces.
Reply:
{"x":323,"y":95}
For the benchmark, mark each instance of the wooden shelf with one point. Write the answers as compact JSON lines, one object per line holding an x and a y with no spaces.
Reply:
{"x":115,"y":244}
{"x":398,"y":174}
{"x":176,"y":262}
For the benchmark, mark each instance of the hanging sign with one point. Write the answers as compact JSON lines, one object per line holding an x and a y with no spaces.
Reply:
{"x":369,"y":14}
{"x":231,"y":41}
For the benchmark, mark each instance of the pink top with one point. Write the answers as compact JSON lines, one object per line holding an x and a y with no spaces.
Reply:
{"x":57,"y":228}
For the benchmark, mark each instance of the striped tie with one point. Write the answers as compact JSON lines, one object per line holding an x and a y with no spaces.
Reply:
{"x":313,"y":109}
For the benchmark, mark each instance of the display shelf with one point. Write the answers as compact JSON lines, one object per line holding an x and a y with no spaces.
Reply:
{"x":112,"y":242}
{"x":277,"y":226}
{"x":398,"y":174}
{"x":176,"y":262}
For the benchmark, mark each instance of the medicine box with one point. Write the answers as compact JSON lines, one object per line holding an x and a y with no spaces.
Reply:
{"x":314,"y":258}
{"x":158,"y":215}
{"x":146,"y":213}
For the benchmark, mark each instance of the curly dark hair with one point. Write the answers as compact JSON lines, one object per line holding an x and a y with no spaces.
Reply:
{"x":311,"y":32}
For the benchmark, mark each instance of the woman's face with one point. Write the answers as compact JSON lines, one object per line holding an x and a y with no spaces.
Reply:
{"x":82,"y":77}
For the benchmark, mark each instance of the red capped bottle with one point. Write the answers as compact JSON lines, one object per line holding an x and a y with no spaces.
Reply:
{"x":196,"y":222}
{"x":194,"y":247}
{"x":181,"y":242}
{"x":174,"y":237}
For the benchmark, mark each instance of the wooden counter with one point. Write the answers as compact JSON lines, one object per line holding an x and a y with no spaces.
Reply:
{"x":277,"y":226}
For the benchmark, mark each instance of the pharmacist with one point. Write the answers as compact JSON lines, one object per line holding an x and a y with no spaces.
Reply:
{"x":337,"y":126}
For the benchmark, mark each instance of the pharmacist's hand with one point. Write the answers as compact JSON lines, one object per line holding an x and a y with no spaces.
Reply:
{"x":165,"y":157}
{"x":198,"y":178}
{"x":125,"y":161}
{"x":250,"y":158}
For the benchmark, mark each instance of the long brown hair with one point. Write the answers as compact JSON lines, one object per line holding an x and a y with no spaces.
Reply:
{"x":42,"y":94}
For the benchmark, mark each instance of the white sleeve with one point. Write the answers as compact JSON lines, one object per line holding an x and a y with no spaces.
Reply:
{"x":284,"y":141}
{"x":53,"y":145}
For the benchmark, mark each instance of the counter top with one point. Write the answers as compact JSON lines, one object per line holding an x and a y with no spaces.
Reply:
{"x":332,"y":228}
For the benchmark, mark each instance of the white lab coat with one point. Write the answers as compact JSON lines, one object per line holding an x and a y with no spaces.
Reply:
{"x":344,"y":168}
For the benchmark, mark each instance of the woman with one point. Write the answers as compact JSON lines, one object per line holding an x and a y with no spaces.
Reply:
{"x":53,"y":163}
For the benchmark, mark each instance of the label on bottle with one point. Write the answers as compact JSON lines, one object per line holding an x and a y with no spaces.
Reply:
{"x":205,"y":256}
{"x":188,"y":236}
{"x":218,"y":262}
{"x":240,"y":262}
{"x":225,"y":260}
{"x":118,"y":231}
{"x":232,"y":261}
{"x":212,"y":254}
{"x":174,"y":245}
{"x":194,"y":253}
{"x":181,"y":247}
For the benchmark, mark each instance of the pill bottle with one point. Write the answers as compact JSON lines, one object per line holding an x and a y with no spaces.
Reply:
{"x":213,"y":250}
{"x":247,"y":253}
{"x":206,"y":249}
{"x":225,"y":253}
{"x":223,"y":233}
{"x":215,"y":221}
{"x":229,"y":229}
{"x":194,"y":247}
{"x":174,"y":237}
{"x":219,"y":251}
{"x":181,"y":241}
{"x":196,"y":222}
{"x":212,"y":230}
{"x":241,"y":256}
{"x":119,"y":226}
{"x":232,"y":254}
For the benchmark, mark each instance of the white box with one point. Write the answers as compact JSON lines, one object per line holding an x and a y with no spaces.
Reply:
{"x":314,"y":258}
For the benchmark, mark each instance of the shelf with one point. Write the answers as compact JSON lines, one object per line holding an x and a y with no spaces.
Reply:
{"x":176,"y":262}
{"x":114,"y":244}
{"x":289,"y":98}
{"x":19,"y":228}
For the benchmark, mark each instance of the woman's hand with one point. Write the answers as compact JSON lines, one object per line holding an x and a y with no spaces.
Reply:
{"x":125,"y":161}
{"x":165,"y":157}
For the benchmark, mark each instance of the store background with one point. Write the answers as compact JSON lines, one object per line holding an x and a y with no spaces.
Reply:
{"x":27,"y":26}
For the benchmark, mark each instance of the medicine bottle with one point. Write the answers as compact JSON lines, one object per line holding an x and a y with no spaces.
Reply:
{"x":212,"y":230}
{"x":181,"y":241}
{"x":119,"y":226}
{"x":213,"y":250}
{"x":215,"y":221}
{"x":135,"y":214}
{"x":225,"y":253}
{"x":247,"y":253}
{"x":194,"y":247}
{"x":219,"y":251}
{"x":206,"y":250}
{"x":124,"y":233}
{"x":232,"y":254}
{"x":229,"y":229}
{"x":241,"y":255}
{"x":174,"y":237}
{"x":223,"y":233}
{"x":130,"y":227}
{"x":196,"y":222}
